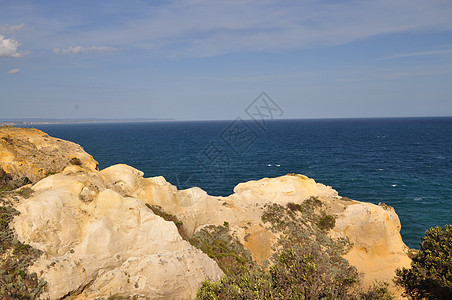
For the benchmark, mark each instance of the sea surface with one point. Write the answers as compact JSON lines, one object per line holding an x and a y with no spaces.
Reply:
{"x":403,"y":162}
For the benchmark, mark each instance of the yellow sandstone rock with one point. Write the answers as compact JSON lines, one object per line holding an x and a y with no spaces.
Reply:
{"x":374,"y":230}
{"x":31,"y":153}
{"x":100,"y":239}
{"x":109,"y":245}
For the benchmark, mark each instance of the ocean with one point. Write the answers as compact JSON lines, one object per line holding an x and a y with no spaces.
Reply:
{"x":403,"y":162}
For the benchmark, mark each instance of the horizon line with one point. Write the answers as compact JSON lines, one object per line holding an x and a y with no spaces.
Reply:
{"x":61,"y":121}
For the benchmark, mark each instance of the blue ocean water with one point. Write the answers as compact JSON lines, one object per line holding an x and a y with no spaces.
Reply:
{"x":406,"y":162}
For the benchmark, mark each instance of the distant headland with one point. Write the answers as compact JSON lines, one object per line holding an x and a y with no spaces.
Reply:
{"x":40,"y":121}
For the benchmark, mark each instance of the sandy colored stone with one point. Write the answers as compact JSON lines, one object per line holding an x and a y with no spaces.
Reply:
{"x":259,"y":241}
{"x":99,"y":238}
{"x":97,"y":232}
{"x":110,"y":245}
{"x":31,"y":153}
{"x":374,"y":230}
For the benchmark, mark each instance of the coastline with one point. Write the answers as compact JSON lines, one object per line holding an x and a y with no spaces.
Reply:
{"x":24,"y":122}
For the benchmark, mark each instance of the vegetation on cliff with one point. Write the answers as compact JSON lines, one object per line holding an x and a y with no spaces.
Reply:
{"x":226,"y":250}
{"x":430,"y":275}
{"x":29,"y":155}
{"x":307,"y":263}
{"x":8,"y":183}
{"x":15,"y":281}
{"x":168,"y":217}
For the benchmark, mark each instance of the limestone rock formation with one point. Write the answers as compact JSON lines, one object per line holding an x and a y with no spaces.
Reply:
{"x":374,"y":230}
{"x":33,"y":154}
{"x":100,"y":238}
{"x":98,"y":243}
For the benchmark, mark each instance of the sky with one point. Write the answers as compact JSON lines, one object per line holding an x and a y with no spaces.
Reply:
{"x":209,"y":60}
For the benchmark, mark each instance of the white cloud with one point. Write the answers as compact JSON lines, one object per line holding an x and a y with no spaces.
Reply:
{"x":393,"y":72}
{"x":422,"y":53}
{"x":9,"y":48}
{"x":8,"y":29}
{"x":80,"y":49}
{"x":13,"y":71}
{"x":208,"y":28}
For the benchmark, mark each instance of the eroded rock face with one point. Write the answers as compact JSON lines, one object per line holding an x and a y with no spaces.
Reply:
{"x":373,"y":230}
{"x":100,"y":239}
{"x":109,"y":245}
{"x":31,"y":153}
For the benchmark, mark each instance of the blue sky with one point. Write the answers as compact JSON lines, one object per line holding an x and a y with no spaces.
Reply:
{"x":207,"y":60}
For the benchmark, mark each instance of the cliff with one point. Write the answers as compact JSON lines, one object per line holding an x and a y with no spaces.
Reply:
{"x":104,"y":233}
{"x":29,"y":155}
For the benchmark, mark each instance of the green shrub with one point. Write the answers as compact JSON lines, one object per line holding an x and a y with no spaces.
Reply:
{"x":307,"y":265}
{"x":227,"y":251}
{"x":75,"y":161}
{"x":25,"y":192}
{"x":346,"y":199}
{"x":8,"y":183}
{"x":296,"y":274}
{"x":378,"y":291}
{"x":50,"y":172}
{"x":255,"y":284}
{"x":301,"y":273}
{"x":168,"y":217}
{"x":22,"y":248}
{"x":385,"y":206}
{"x":294,"y":207}
{"x":5,"y":188}
{"x":7,"y":139}
{"x":5,"y":179}
{"x":15,"y":281}
{"x":327,"y":222}
{"x":430,"y":275}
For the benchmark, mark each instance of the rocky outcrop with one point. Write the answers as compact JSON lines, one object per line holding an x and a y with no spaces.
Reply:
{"x":29,"y":155}
{"x":374,"y":230}
{"x":100,"y":238}
{"x":98,"y":242}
